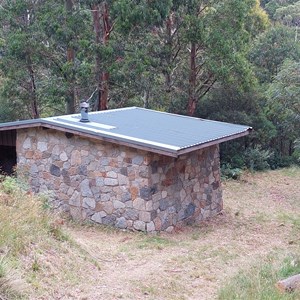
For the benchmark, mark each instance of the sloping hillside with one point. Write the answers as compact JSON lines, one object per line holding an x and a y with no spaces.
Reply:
{"x":238,"y":255}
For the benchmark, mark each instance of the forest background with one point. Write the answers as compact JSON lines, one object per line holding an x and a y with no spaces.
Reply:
{"x":228,"y":60}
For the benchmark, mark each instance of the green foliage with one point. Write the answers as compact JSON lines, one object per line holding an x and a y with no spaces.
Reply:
{"x":289,"y":15}
{"x":10,"y":185}
{"x":272,"y":6}
{"x":296,"y":154}
{"x":285,"y":88}
{"x":132,"y":14}
{"x":282,"y":161}
{"x":283,"y":107}
{"x":271,"y":49}
{"x":231,"y":105}
{"x":228,"y":172}
{"x":257,"y":158}
{"x":37,"y":76}
{"x":161,"y":55}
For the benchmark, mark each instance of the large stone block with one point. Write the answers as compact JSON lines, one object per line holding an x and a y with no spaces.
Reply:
{"x":85,"y":188}
{"x":111,"y":182}
{"x":139,"y":225}
{"x":121,"y":223}
{"x":139,"y":204}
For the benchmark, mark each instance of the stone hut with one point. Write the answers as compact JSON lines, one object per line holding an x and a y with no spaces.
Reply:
{"x":131,"y":168}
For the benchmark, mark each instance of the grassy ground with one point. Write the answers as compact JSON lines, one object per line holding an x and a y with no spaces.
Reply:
{"x":240,"y":254}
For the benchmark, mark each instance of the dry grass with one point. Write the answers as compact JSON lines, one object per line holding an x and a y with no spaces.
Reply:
{"x":256,"y":237}
{"x":36,"y":255}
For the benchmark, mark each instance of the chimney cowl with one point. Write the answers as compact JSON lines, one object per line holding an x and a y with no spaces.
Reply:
{"x":84,"y":104}
{"x":84,"y":109}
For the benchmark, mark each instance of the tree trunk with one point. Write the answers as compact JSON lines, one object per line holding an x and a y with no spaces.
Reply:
{"x":97,"y":30}
{"x":146,"y":99}
{"x":103,"y":105}
{"x":192,"y":81}
{"x":290,"y":284}
{"x":169,"y":54}
{"x":33,"y":102}
{"x":70,"y":59}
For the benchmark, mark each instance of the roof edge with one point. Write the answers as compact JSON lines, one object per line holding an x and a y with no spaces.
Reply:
{"x":21,"y":124}
{"x":215,"y":142}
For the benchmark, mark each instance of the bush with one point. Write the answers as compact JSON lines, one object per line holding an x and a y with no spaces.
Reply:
{"x":296,"y":153}
{"x":257,"y":159}
{"x":278,"y":161}
{"x":9,"y":185}
{"x":228,"y":172}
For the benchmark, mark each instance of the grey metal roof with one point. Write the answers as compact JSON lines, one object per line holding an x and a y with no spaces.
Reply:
{"x":143,"y":128}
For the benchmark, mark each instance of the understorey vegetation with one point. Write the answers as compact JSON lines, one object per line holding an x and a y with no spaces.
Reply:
{"x":228,"y":60}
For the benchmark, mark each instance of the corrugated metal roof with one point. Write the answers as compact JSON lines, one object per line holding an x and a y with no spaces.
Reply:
{"x":158,"y":131}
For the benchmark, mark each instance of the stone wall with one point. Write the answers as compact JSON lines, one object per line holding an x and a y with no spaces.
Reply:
{"x":120,"y":186}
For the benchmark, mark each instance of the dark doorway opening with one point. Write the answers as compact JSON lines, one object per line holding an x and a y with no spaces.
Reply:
{"x":8,"y":159}
{"x":8,"y":154}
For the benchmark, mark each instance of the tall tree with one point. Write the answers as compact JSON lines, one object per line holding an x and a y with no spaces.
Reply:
{"x":285,"y":88}
{"x":40,"y":70}
{"x":290,"y":16}
{"x":107,"y":27}
{"x":270,"y":50}
{"x":119,"y":27}
{"x":218,"y":37}
{"x":198,"y":43}
{"x":283,"y":107}
{"x":71,"y":94}
{"x":19,"y":51}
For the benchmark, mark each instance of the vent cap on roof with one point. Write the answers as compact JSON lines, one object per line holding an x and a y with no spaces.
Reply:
{"x":84,"y":110}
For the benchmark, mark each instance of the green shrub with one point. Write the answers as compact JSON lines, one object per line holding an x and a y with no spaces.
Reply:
{"x":278,"y":161}
{"x":256,"y":159}
{"x":296,"y":153}
{"x":12,"y":185}
{"x":9,"y":185}
{"x":229,"y":172}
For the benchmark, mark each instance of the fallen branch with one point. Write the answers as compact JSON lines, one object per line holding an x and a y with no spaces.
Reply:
{"x":290,"y":284}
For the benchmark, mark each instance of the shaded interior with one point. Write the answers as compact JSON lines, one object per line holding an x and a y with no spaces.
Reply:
{"x":8,"y":154}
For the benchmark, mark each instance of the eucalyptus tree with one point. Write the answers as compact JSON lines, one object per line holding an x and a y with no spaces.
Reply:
{"x":128,"y":50}
{"x":173,"y":61}
{"x":270,"y":50}
{"x":284,"y":106}
{"x":44,"y":60}
{"x":290,"y":16}
{"x":285,"y":88}
{"x":66,"y":58}
{"x":19,"y":54}
{"x":118,"y":25}
{"x":271,"y":6}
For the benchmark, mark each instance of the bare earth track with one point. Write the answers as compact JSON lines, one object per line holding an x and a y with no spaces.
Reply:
{"x":258,"y":223}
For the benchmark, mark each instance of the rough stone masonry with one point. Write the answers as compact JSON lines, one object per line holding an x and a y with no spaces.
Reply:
{"x":118,"y":185}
